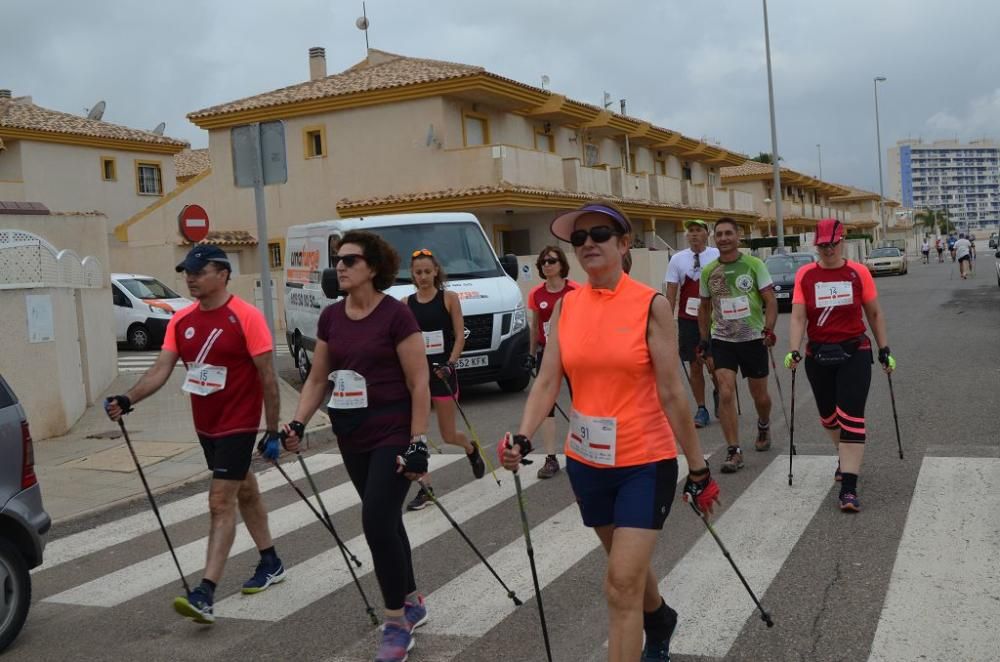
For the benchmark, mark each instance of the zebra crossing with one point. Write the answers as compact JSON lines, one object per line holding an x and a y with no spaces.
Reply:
{"x":138,"y":362}
{"x":119,"y":569}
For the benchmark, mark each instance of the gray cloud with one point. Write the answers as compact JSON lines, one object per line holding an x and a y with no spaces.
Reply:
{"x":695,"y":67}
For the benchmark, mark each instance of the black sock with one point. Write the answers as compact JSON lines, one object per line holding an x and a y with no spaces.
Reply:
{"x":550,"y":456}
{"x":209,"y":587}
{"x":849,"y":483}
{"x":269,"y":554}
{"x":659,"y":624}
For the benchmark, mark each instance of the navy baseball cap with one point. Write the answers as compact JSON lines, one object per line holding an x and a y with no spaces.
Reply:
{"x":199,"y":256}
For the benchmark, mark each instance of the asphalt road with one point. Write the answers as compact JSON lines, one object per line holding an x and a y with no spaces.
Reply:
{"x":827,"y":578}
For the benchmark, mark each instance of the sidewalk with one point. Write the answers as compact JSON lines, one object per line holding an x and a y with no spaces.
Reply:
{"x":90,"y":468}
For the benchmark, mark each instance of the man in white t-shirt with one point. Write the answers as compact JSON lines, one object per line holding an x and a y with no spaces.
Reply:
{"x":963,"y":251}
{"x":681,"y":285}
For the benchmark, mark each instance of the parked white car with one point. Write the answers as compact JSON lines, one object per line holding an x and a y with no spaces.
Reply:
{"x":143,"y":307}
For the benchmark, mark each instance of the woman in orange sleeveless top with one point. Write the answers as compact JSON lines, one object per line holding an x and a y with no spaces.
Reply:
{"x":615,"y":341}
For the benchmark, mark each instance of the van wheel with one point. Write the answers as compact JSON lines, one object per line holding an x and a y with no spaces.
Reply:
{"x":138,"y":337}
{"x":15,"y":592}
{"x":514,"y":385}
{"x":302,"y":361}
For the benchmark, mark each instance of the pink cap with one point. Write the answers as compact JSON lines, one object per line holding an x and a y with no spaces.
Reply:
{"x":828,"y":231}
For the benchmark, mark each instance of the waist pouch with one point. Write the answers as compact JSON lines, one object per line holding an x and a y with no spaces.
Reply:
{"x":831,"y":354}
{"x":346,"y":421}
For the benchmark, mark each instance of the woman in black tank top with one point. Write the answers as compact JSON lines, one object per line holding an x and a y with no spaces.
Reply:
{"x":439,"y":314}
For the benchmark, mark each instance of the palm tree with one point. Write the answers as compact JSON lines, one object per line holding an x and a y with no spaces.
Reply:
{"x":934,"y":218}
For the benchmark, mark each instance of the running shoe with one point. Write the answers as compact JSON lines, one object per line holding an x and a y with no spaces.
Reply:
{"x":763,"y":442}
{"x":421,"y":501}
{"x":837,"y":475}
{"x":476,"y":460}
{"x":849,"y":502}
{"x":734,"y":460}
{"x":397,"y":642}
{"x":715,"y":401}
{"x":267,"y":573}
{"x":550,"y":468}
{"x":701,"y":417}
{"x":656,"y":651}
{"x":197,"y":606}
{"x":415,"y":612}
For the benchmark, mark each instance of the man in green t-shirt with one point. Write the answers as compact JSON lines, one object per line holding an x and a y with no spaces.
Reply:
{"x":736,"y":322}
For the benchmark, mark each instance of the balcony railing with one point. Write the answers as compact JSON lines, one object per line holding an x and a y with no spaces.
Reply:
{"x":665,"y":189}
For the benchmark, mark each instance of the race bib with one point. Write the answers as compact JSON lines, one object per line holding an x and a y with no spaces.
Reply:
{"x":734,"y":308}
{"x":433,"y":342}
{"x":692,"y":305}
{"x":592,"y":438}
{"x":350,"y":390}
{"x":545,"y":329}
{"x":839,"y":293}
{"x":204,"y":379}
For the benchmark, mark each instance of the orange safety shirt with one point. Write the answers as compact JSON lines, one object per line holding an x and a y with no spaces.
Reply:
{"x":602,"y":344}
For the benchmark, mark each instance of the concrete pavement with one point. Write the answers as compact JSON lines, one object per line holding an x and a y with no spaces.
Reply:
{"x":90,"y":468}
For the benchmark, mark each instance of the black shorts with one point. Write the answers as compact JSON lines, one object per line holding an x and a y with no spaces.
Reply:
{"x":688,"y":337}
{"x":749,"y":356}
{"x":439,"y":391}
{"x":229,"y":457}
{"x":965,"y":258}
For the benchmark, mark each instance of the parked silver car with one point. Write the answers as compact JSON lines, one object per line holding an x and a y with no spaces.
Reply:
{"x":23,"y":520}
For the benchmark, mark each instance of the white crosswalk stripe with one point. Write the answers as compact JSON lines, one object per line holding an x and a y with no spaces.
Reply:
{"x":761,"y":527}
{"x":137,"y":362}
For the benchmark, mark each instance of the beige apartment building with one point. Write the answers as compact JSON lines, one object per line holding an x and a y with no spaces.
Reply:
{"x":71,"y":163}
{"x":396,"y":134}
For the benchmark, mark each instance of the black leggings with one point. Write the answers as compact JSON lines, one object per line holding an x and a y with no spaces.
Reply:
{"x":841,"y":392}
{"x":382,"y":492}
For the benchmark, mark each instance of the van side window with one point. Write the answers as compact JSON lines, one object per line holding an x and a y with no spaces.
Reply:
{"x":332,"y":249}
{"x":119,"y":297}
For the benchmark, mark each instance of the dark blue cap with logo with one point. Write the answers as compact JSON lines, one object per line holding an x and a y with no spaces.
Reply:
{"x":199,"y":256}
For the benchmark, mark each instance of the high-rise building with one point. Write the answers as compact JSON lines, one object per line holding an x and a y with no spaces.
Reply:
{"x":963,"y":179}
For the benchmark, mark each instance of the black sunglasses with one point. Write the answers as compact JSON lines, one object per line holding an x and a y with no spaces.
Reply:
{"x":599,"y":234}
{"x":349,"y":260}
{"x":549,"y":260}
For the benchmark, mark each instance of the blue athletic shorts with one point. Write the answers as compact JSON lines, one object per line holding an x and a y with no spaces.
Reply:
{"x":636,"y":497}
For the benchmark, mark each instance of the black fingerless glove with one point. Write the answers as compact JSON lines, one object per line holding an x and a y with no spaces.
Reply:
{"x":414,"y":460}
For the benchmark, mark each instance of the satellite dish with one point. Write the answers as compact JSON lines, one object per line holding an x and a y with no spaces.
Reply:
{"x":160,"y":128}
{"x":362,"y":23}
{"x":97,"y":112}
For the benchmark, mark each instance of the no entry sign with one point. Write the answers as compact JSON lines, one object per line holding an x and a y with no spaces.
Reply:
{"x":193,"y":221}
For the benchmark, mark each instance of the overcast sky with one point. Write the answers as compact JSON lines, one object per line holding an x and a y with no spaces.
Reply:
{"x":697,"y":67}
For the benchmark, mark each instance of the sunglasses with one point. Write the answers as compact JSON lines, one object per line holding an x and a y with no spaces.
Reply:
{"x":599,"y":234}
{"x":422,"y":251}
{"x":550,"y":260}
{"x":828,"y":246}
{"x":349,"y":260}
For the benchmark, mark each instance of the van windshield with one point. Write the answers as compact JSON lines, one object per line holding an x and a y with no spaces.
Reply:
{"x":461,"y":249}
{"x":148,"y":289}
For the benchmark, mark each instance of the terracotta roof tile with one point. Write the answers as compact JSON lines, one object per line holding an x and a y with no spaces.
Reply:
{"x":226,"y":238}
{"x":752,"y":168}
{"x":19,"y":113}
{"x":191,"y":162}
{"x":383,"y":71}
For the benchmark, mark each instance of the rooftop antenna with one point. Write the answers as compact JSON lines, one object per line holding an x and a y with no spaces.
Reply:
{"x":607,"y":101}
{"x":97,"y":112}
{"x":545,"y":82}
{"x":160,"y":128}
{"x":362,"y":24}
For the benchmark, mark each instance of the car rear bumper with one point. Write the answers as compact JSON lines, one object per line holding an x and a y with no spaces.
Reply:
{"x":26,"y":511}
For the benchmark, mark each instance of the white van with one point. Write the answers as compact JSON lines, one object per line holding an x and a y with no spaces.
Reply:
{"x":143,"y":306}
{"x":496,"y":323}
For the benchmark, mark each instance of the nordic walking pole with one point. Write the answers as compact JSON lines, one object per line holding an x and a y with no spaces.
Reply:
{"x":781,"y":395}
{"x":791,"y":433}
{"x":340,"y":543}
{"x":895,"y":418}
{"x":531,"y":562}
{"x":430,"y":492}
{"x":152,"y":502}
{"x":326,"y":525}
{"x":766,"y":617}
{"x":534,"y":373}
{"x":472,"y":431}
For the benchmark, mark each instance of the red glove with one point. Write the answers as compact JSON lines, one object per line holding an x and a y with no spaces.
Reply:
{"x":522,"y":443}
{"x":769,"y":338}
{"x":704,"y":492}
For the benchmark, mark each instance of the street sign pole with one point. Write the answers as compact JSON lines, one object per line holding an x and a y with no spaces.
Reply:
{"x":261,"y":208}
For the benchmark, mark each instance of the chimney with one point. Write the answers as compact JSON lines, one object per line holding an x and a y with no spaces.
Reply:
{"x":4,"y":94}
{"x":317,"y":63}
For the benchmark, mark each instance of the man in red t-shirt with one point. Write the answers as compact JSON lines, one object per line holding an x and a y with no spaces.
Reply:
{"x":227,"y":348}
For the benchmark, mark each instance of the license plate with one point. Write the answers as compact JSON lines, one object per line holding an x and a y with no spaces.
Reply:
{"x":472,"y":362}
{"x":781,"y":295}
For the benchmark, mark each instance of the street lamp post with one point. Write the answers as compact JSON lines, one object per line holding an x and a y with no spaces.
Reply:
{"x":878,"y":146}
{"x":775,"y":159}
{"x":819,"y":155}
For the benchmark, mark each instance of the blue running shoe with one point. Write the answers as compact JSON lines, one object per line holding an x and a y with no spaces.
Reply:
{"x":701,"y":417}
{"x":397,"y":641}
{"x":415,"y":612}
{"x":196,"y":606}
{"x":849,"y":502}
{"x":267,"y":573}
{"x":656,"y":651}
